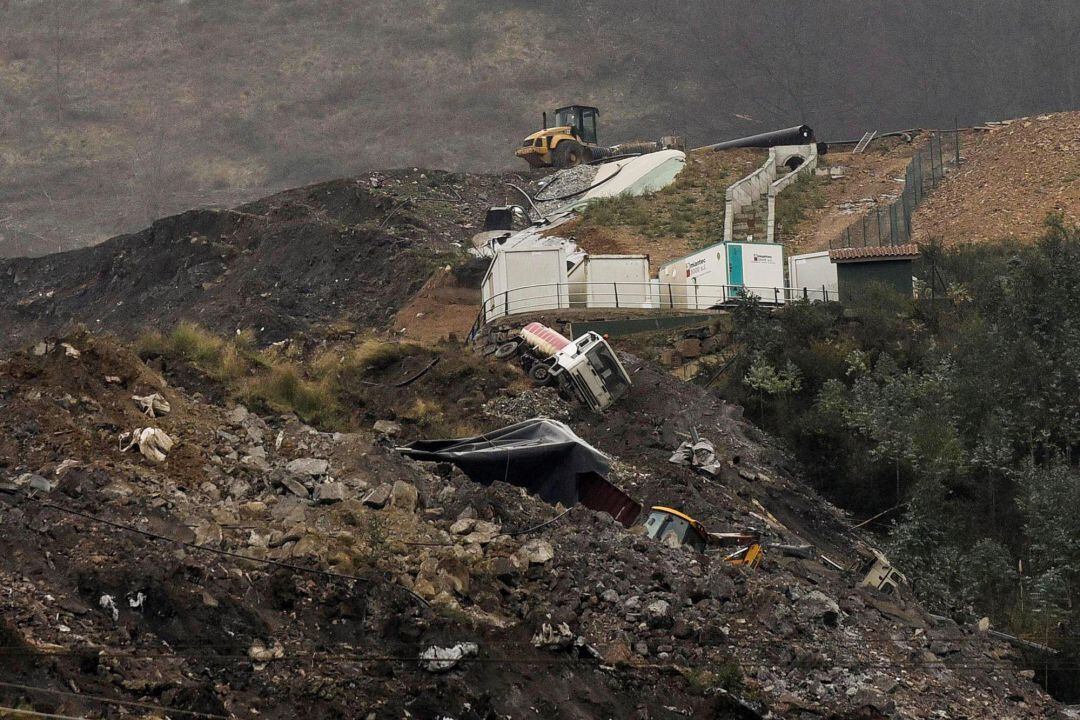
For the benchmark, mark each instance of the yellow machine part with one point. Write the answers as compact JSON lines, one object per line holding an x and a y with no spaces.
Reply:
{"x":749,"y":556}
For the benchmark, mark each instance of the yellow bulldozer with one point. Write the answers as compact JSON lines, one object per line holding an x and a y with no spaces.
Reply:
{"x":572,"y":140}
{"x":569,"y":142}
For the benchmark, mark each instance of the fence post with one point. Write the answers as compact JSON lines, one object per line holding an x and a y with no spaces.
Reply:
{"x":506,"y":303}
{"x":775,"y":296}
{"x":695,"y":296}
{"x":877,"y":210}
{"x":670,"y":297}
{"x":864,"y":229}
{"x":941,"y":163}
{"x":956,"y":139}
{"x":616,"y":286}
{"x":825,"y":293}
{"x":805,"y":293}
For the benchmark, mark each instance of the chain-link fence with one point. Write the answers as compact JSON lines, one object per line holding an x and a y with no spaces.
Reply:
{"x":891,"y":224}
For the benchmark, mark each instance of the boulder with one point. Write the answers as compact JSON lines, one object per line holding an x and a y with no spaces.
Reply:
{"x":658,"y":614}
{"x":404,"y":496}
{"x":535,"y":552}
{"x":379,"y":496}
{"x":294,"y":486}
{"x":688,"y":348}
{"x":330,"y":492}
{"x":311,"y":467}
{"x":389,"y":428}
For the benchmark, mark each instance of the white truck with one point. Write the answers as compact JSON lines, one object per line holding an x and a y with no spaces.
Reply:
{"x":586,"y":368}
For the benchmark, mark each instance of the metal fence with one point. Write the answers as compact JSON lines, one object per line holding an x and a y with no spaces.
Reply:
{"x":648,"y":296}
{"x":891,"y":224}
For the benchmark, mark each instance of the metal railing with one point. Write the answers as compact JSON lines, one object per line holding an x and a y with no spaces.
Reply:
{"x":891,"y":224}
{"x":648,"y":296}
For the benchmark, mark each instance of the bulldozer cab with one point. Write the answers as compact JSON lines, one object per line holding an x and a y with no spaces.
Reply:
{"x":582,"y":118}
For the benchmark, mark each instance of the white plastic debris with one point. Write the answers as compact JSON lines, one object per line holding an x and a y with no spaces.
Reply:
{"x":700,"y":455}
{"x":260,"y":652}
{"x":440,"y":659}
{"x":555,"y":637}
{"x":137,"y":601}
{"x":107,"y":603}
{"x":154,"y":444}
{"x":152,"y":405}
{"x":70,"y":351}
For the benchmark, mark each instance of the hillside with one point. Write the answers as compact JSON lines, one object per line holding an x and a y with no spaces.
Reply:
{"x":268,"y":569}
{"x":347,"y":251}
{"x":116,"y":113}
{"x":1017,"y":173}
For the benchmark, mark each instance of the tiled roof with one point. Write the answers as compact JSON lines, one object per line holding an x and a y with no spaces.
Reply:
{"x":883,"y":252}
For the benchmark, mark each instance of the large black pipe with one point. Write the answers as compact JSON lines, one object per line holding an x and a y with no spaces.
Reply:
{"x":800,"y":135}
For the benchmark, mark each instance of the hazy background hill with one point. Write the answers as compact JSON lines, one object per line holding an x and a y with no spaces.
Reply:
{"x":114,"y":112}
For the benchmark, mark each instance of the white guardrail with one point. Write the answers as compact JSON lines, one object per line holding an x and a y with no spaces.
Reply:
{"x":653,"y":296}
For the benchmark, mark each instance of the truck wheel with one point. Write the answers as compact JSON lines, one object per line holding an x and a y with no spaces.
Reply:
{"x":507,"y":350}
{"x":540,"y":373}
{"x":567,"y":154}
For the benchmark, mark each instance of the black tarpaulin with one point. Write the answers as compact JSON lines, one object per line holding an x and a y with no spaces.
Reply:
{"x":543,"y":456}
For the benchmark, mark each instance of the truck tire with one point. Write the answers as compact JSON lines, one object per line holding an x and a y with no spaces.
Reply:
{"x":541,"y":374}
{"x":507,"y":350}
{"x":567,"y":154}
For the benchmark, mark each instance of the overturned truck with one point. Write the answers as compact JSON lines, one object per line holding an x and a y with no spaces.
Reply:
{"x":586,"y":368}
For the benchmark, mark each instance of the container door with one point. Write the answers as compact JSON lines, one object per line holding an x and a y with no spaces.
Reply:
{"x":734,"y":267}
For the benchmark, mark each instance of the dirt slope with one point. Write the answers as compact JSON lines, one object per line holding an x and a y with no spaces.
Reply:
{"x":861,"y":183}
{"x":349,"y":250}
{"x":1014,"y":176}
{"x":650,"y":631}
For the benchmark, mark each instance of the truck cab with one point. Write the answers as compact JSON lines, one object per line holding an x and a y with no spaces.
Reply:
{"x":586,"y":367}
{"x":581,"y":119}
{"x":590,"y":367}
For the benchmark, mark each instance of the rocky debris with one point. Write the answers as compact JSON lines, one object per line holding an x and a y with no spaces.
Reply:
{"x":442,"y":659}
{"x":571,"y":181}
{"x":800,"y":635}
{"x":536,"y":402}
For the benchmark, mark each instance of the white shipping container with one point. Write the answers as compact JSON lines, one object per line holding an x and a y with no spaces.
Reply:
{"x":758,"y":268}
{"x":618,"y":281}
{"x":526,"y":281}
{"x":713,"y":275}
{"x":815,"y":273}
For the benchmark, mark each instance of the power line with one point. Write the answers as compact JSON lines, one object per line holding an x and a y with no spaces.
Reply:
{"x":112,"y":701}
{"x":215,"y":551}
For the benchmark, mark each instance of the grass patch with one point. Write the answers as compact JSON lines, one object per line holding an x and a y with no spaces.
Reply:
{"x":796,"y":200}
{"x":221,"y":359}
{"x":285,"y":389}
{"x":690,"y":209}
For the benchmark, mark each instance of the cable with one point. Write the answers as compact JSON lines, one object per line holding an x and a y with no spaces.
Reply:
{"x":217,"y":551}
{"x":558,"y":517}
{"x":99,"y":698}
{"x":35,"y":713}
